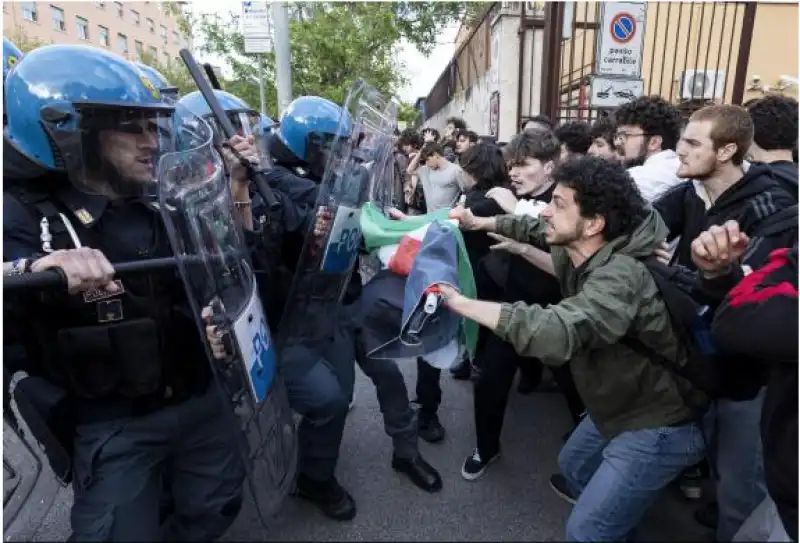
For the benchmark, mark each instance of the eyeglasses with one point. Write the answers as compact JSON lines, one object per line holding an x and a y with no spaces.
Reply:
{"x":623,"y":136}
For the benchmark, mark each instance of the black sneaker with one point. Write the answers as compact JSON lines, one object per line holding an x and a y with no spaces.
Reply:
{"x":474,"y":466}
{"x":333,"y":500}
{"x":560,"y":486}
{"x":430,"y":429}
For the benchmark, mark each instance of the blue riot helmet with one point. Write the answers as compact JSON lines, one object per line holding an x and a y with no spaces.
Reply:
{"x":169,"y":92}
{"x":11,"y":55}
{"x":89,"y":114}
{"x":246,"y":120}
{"x":307,"y":130}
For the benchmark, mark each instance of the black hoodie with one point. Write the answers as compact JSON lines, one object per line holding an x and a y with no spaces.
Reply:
{"x":755,"y":201}
{"x":750,"y":201}
{"x":758,"y":320}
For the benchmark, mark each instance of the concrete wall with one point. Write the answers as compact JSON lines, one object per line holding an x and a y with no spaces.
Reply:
{"x":473,"y":105}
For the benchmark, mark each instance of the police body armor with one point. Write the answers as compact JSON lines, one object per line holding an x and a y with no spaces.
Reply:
{"x":122,"y":346}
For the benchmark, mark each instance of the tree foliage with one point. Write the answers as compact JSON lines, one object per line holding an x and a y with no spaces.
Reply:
{"x":332,"y":45}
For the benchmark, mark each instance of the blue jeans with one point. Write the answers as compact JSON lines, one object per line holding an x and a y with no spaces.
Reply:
{"x":618,"y":480}
{"x":741,"y":487}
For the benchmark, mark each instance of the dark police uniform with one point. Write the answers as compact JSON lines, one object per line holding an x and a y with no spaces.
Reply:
{"x":137,"y":379}
{"x":313,"y":375}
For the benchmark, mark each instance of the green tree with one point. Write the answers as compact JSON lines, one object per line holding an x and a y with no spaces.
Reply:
{"x":332,"y":45}
{"x":25,"y":43}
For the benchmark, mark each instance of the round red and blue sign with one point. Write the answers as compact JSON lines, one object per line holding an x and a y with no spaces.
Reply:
{"x":623,"y":27}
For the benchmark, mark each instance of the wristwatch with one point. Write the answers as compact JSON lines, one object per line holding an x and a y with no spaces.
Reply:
{"x":20,"y":266}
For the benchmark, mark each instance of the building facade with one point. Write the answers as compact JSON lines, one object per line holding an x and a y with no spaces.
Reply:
{"x":129,"y":29}
{"x":528,"y":58}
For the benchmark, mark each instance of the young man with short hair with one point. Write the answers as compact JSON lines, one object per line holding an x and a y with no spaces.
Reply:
{"x":775,"y":137}
{"x":540,"y":122}
{"x":647,"y":132}
{"x":575,"y":139}
{"x":464,"y":140}
{"x":641,"y":430}
{"x":720,"y":187}
{"x":603,"y":132}
{"x":532,"y":156}
{"x":440,"y":178}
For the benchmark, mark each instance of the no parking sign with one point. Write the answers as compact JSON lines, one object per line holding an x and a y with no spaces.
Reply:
{"x":621,"y":39}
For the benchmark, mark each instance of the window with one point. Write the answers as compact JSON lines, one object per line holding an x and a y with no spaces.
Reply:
{"x":83,"y":28}
{"x":176,"y":39}
{"x":102,"y":32}
{"x":151,"y":25}
{"x":136,"y":19}
{"x":153,"y":52}
{"x":58,"y":19}
{"x":120,"y":10}
{"x":29,"y":11}
{"x":100,"y":5}
{"x":139,"y":49}
{"x":164,"y":34}
{"x":122,"y":43}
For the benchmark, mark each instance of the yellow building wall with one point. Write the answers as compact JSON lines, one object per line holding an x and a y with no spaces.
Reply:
{"x":773,"y":52}
{"x":680,"y":36}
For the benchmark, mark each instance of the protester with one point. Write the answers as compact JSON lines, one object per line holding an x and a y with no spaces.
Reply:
{"x":640,"y":431}
{"x":536,"y":122}
{"x":647,"y":133}
{"x":464,"y":140}
{"x":775,"y":125}
{"x":711,"y":153}
{"x":603,"y":132}
{"x":575,"y":139}
{"x":440,"y":178}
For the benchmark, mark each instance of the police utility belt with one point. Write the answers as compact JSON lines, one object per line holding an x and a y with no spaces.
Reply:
{"x":109,"y":347}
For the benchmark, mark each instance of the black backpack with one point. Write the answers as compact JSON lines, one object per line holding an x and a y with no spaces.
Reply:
{"x":692,"y":325}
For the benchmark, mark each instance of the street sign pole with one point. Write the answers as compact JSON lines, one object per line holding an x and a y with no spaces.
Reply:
{"x":283,"y":56}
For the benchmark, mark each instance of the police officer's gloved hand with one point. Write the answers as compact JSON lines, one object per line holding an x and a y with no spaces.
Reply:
{"x":215,"y":335}
{"x":84,"y":268}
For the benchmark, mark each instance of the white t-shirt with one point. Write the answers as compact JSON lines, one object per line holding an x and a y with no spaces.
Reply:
{"x":657,"y":175}
{"x":441,"y":187}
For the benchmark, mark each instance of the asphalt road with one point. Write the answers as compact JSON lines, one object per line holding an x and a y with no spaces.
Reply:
{"x":512,"y":502}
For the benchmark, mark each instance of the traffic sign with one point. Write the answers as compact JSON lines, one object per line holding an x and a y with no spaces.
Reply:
{"x":623,"y":27}
{"x":621,"y":39}
{"x":611,"y":92}
{"x":256,"y":27}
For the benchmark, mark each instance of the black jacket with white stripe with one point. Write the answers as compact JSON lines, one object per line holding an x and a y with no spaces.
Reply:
{"x":758,"y":203}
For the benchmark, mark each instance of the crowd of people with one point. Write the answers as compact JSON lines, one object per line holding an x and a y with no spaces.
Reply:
{"x":628,"y":257}
{"x":645,"y":265}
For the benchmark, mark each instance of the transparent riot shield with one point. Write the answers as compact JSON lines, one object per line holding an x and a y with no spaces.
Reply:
{"x":330,"y":252}
{"x":213,"y":260}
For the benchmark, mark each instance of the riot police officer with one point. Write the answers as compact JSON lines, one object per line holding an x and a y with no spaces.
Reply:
{"x":11,"y":55}
{"x":127,"y":379}
{"x":300,"y":147}
{"x":169,"y":92}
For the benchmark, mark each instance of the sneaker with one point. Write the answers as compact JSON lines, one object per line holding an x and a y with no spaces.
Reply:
{"x":560,"y":486}
{"x":430,"y":429}
{"x":474,"y":466}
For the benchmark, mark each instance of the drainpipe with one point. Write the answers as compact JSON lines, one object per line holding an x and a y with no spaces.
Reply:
{"x":521,"y":34}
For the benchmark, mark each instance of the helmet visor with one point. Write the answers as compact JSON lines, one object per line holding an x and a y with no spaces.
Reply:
{"x":120,"y":147}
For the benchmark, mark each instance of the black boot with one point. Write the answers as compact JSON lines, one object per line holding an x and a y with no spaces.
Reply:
{"x":329,"y":496}
{"x":419,"y":472}
{"x":430,"y":429}
{"x":463,"y":370}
